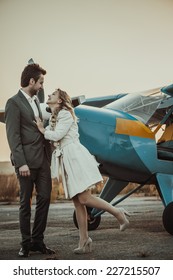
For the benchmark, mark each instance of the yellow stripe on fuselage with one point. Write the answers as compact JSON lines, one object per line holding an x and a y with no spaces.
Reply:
{"x":133,"y":128}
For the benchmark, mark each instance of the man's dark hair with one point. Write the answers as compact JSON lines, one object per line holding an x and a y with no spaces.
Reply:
{"x":31,"y":71}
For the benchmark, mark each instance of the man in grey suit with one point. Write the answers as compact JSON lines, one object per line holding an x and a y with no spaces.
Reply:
{"x":31,"y":158}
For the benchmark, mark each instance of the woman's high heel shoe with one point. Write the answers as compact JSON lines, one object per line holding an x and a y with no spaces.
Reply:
{"x":126,"y":223}
{"x":86,"y":248}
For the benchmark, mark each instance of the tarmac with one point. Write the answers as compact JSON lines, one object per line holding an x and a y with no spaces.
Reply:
{"x":145,"y":239}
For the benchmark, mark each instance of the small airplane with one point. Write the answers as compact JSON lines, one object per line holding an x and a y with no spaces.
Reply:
{"x":131,"y":137}
{"x":121,"y":131}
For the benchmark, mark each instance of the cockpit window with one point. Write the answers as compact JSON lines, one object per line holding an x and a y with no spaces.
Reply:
{"x":148,"y":107}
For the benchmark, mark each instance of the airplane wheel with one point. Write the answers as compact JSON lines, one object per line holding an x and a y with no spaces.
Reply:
{"x":93,"y":222}
{"x":167,"y":218}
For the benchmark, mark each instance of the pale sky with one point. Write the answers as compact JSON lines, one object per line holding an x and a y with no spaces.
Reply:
{"x":90,"y":47}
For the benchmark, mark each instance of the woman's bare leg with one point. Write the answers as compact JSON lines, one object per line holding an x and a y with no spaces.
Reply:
{"x":86,"y":198}
{"x":81,"y":216}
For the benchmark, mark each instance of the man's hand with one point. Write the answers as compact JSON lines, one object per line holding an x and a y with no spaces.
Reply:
{"x":24,"y":170}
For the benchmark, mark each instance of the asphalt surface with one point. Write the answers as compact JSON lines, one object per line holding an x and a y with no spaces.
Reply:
{"x":145,"y":239}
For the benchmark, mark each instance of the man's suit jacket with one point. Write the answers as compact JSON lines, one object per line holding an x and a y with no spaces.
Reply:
{"x":27,"y":144}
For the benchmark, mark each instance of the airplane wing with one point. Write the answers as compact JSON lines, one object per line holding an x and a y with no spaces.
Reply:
{"x":101,"y":101}
{"x":108,"y":100}
{"x":141,"y":105}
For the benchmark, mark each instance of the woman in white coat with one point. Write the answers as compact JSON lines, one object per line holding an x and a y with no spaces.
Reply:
{"x":78,"y":168}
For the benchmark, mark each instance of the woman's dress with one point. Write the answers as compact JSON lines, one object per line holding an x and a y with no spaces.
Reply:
{"x":70,"y":159}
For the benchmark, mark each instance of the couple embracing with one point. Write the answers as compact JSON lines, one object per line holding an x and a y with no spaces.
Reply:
{"x":38,"y":152}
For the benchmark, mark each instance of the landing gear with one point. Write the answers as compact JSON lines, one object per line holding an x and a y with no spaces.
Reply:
{"x":93,"y":222}
{"x":167,"y":218}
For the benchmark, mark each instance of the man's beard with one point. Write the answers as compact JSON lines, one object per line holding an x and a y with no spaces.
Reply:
{"x":33,"y":92}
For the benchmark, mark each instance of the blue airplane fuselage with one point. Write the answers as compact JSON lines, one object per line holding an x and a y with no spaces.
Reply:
{"x":125,"y":146}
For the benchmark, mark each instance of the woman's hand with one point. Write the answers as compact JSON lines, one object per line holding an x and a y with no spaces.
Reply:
{"x":39,"y":124}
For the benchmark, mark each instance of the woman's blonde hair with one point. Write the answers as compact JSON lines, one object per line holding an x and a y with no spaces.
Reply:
{"x":66,"y":102}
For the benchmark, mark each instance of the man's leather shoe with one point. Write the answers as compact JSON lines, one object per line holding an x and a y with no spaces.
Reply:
{"x":24,"y":252}
{"x":41,"y":247}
